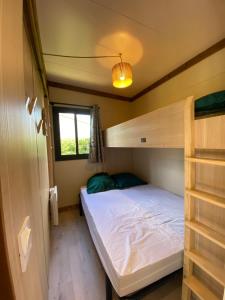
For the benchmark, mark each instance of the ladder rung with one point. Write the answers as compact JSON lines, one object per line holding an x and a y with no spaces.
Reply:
{"x":210,"y":268}
{"x":207,"y":232}
{"x":208,"y":161}
{"x":212,"y":199}
{"x":199,"y":288}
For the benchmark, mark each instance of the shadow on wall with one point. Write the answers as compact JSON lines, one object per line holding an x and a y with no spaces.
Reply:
{"x":161,"y":167}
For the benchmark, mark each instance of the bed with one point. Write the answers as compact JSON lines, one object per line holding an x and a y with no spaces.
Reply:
{"x":138,"y":233}
{"x":198,"y":126}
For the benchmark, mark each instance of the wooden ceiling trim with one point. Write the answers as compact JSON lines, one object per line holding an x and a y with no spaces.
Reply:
{"x":87,"y":91}
{"x":196,"y":59}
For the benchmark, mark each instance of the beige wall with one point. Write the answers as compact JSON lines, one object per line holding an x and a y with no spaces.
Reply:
{"x":23,"y":168}
{"x":71,"y":175}
{"x":112,"y":111}
{"x":201,"y":79}
{"x":164,"y":167}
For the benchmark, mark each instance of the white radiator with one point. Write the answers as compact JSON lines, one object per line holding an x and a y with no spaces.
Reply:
{"x":54,"y":206}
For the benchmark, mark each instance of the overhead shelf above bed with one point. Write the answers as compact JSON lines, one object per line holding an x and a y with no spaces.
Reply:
{"x":164,"y":127}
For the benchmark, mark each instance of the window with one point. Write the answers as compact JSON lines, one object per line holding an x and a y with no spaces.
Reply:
{"x":71,"y":132}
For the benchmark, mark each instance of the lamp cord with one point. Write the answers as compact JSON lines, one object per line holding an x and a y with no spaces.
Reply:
{"x":73,"y":56}
{"x":101,"y":56}
{"x":121,"y":65}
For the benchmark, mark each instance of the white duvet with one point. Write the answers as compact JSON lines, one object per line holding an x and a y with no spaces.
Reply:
{"x":138,"y":233}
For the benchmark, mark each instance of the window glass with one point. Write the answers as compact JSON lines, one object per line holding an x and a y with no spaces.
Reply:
{"x":67,"y":133}
{"x":83,"y":132}
{"x":71,"y":133}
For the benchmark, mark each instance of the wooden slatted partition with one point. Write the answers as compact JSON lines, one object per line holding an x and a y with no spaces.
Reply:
{"x":146,"y":131}
{"x":195,"y":256}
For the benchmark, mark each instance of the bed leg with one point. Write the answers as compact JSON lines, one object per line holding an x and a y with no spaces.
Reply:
{"x":130,"y":298}
{"x":80,"y":207}
{"x":133,"y":298}
{"x":108,"y":288}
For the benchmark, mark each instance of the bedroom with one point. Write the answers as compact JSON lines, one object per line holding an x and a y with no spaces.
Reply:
{"x":174,"y":51}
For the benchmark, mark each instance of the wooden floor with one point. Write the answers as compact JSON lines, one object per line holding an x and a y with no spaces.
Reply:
{"x":75,"y":270}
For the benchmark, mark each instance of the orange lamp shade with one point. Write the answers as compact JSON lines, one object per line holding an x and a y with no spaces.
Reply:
{"x":122,"y":75}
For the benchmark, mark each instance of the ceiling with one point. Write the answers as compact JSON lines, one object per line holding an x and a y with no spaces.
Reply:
{"x":155,"y":36}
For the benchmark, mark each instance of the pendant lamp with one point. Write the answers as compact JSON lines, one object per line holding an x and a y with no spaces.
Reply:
{"x":121,"y":72}
{"x":122,"y":75}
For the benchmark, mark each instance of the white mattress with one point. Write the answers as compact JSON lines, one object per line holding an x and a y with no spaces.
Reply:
{"x":138,"y":233}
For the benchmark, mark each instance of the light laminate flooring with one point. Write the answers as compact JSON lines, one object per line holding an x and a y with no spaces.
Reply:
{"x":76,"y":272}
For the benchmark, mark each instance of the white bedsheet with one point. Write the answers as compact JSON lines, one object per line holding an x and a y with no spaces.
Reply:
{"x":138,"y":233}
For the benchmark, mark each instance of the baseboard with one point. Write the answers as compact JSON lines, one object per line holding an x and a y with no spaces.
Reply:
{"x":69,"y":207}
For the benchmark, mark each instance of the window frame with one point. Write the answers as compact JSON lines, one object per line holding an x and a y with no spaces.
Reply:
{"x":56,"y":110}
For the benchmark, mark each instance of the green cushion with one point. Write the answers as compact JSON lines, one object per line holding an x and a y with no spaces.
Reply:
{"x":99,"y":183}
{"x":126,"y":180}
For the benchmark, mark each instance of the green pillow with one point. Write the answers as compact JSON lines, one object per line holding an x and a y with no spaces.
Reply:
{"x":210,"y":104}
{"x":99,"y":183}
{"x":126,"y":180}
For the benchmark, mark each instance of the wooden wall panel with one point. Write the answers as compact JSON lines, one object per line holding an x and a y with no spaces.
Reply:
{"x":162,"y":128}
{"x":6,"y":287}
{"x":20,"y":172}
{"x":49,"y":143}
{"x":211,"y":179}
{"x":42,"y":157}
{"x":40,"y":213}
{"x":210,"y":132}
{"x":14,"y":149}
{"x":6,"y":280}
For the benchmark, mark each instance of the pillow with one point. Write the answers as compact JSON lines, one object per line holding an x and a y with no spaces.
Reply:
{"x":99,"y":183}
{"x":126,"y":180}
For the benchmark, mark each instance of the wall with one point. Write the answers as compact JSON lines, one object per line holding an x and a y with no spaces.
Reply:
{"x":203,"y":78}
{"x":112,"y":111}
{"x":71,"y":175}
{"x":164,"y":167}
{"x":23,"y":168}
{"x":6,"y":281}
